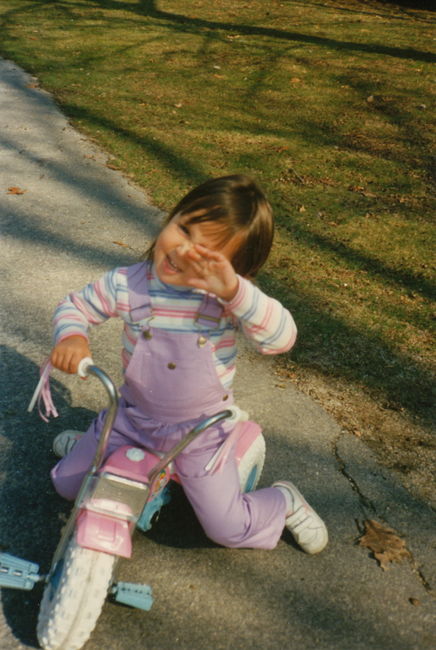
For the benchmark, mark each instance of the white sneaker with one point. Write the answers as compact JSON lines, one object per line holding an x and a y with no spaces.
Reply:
{"x":65,"y":441}
{"x":307,"y":528}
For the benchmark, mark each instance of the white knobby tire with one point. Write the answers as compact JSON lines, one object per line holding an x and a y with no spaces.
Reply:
{"x":251,"y":465}
{"x":73,"y":599}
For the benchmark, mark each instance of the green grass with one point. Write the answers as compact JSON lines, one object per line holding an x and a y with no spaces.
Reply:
{"x":327,"y":104}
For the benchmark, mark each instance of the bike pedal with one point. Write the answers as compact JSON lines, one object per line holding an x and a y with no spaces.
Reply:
{"x":16,"y":573}
{"x":133,"y":595}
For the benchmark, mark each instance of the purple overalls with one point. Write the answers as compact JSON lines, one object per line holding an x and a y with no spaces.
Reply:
{"x":171,"y":384}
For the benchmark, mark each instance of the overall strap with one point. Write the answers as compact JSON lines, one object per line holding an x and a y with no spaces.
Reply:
{"x":139,"y":298}
{"x":209,"y":312}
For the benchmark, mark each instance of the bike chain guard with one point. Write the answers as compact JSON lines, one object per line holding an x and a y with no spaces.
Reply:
{"x":18,"y":574}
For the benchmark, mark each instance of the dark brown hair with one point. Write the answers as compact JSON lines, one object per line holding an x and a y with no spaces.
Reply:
{"x":240,"y":205}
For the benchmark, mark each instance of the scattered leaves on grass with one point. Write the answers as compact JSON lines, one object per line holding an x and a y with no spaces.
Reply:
{"x":15,"y":190}
{"x":384,"y":543}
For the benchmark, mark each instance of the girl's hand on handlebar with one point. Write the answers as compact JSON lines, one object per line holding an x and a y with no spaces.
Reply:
{"x":67,"y":354}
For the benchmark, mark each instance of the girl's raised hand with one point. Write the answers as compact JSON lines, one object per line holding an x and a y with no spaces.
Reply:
{"x":213,"y":272}
{"x":67,"y":354}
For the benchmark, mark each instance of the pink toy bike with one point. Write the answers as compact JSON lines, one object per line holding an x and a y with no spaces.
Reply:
{"x":117,"y":496}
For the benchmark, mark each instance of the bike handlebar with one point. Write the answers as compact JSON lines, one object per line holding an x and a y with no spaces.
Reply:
{"x":86,"y":367}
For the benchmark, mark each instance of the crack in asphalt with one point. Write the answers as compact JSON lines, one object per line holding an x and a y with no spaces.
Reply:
{"x":369,"y":508}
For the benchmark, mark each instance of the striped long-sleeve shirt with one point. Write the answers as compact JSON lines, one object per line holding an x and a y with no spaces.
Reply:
{"x":263,"y":320}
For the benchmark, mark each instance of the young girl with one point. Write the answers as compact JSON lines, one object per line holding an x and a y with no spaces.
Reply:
{"x":181,"y":309}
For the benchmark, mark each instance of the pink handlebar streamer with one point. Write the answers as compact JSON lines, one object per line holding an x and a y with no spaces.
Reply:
{"x":42,"y":394}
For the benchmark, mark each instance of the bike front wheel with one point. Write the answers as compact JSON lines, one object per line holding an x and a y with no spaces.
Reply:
{"x":73,"y":598}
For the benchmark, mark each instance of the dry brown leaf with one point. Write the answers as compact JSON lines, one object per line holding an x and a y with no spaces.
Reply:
{"x":385,"y":544}
{"x":120,"y":243}
{"x":15,"y":190}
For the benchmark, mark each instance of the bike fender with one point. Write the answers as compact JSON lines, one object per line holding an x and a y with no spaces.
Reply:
{"x":102,"y":533}
{"x":248,"y":432}
{"x":134,"y":463}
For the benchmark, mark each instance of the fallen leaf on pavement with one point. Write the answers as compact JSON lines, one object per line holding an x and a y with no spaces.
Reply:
{"x":385,"y":544}
{"x":120,"y":243}
{"x":15,"y":190}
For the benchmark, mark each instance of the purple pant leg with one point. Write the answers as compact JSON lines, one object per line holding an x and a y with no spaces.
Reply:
{"x":229,"y":518}
{"x":68,"y":474}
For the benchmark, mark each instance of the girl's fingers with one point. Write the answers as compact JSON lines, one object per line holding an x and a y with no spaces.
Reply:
{"x":68,"y":363}
{"x":208,"y":253}
{"x":193,"y":254}
{"x":65,"y":361}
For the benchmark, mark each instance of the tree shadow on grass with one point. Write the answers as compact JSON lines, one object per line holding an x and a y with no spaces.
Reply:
{"x":150,"y":8}
{"x":396,"y":277}
{"x":183,"y":23}
{"x":373,"y":362}
{"x":394,"y":5}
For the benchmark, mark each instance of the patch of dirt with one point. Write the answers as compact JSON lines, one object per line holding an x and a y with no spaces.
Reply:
{"x":399,"y":443}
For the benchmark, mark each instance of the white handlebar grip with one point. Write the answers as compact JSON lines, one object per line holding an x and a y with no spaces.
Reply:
{"x":82,"y":369}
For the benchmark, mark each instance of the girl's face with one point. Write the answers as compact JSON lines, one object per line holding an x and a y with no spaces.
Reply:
{"x":178,"y":237}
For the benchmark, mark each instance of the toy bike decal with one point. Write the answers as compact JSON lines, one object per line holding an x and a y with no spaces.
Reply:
{"x":161,"y":480}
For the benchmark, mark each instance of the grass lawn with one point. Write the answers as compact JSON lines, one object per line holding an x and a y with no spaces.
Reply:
{"x":328,"y":104}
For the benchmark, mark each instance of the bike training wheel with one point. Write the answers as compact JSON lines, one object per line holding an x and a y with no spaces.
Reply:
{"x":74,"y":597}
{"x":251,"y":465}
